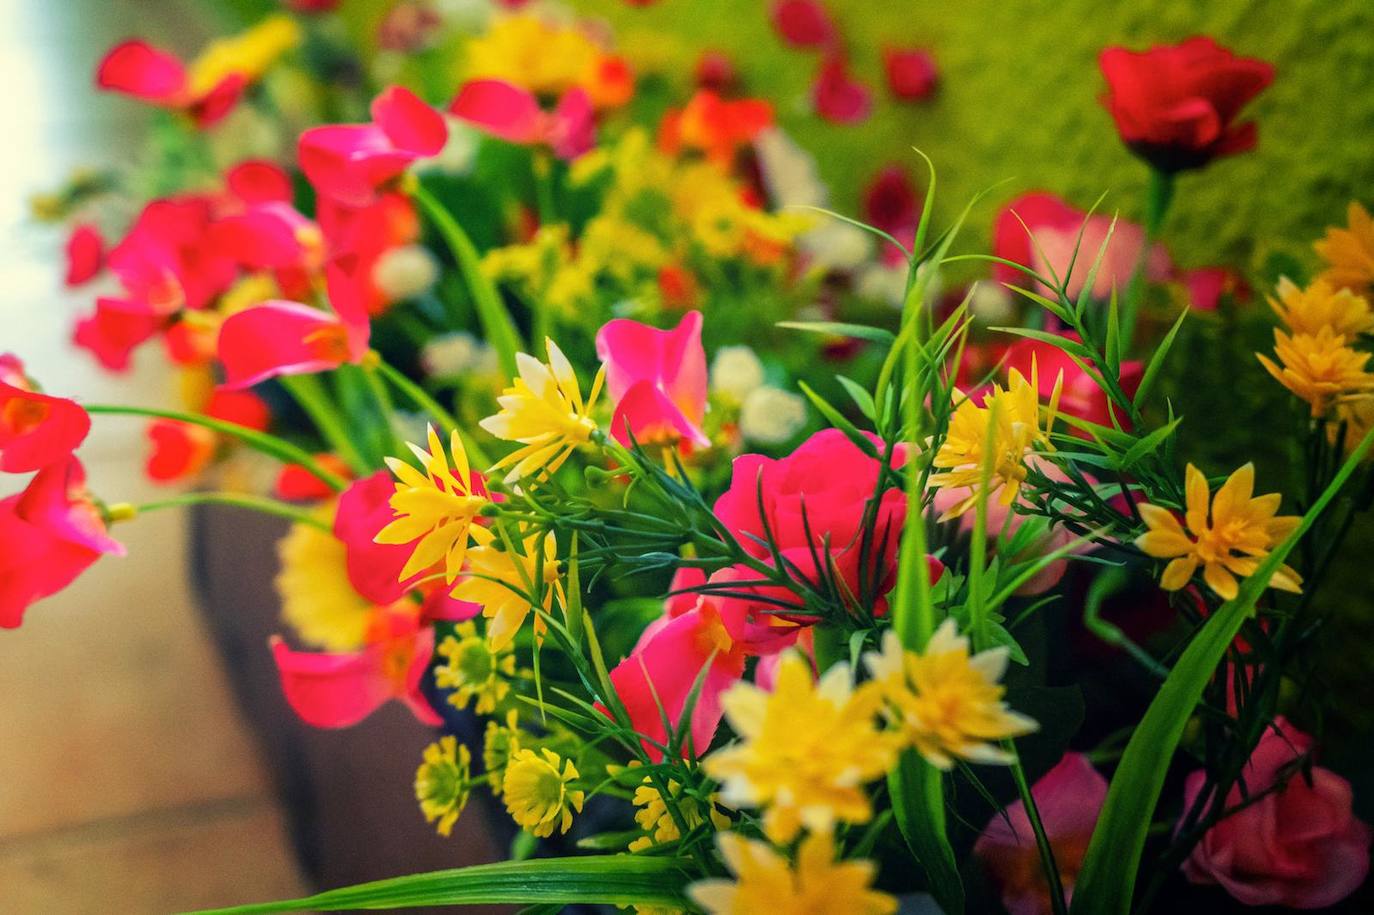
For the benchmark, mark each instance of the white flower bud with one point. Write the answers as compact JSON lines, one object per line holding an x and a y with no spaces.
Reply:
{"x":735,"y":372}
{"x":405,"y":271}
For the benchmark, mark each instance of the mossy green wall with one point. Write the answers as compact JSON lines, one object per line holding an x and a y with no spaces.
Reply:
{"x":1019,"y":101}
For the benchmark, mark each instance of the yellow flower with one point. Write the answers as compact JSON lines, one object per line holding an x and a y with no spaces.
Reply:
{"x":1229,"y":541}
{"x":537,"y":792}
{"x":443,"y":783}
{"x":317,"y":598}
{"x":503,"y":583}
{"x":660,"y":824}
{"x":805,"y":750}
{"x":436,"y":507}
{"x":499,"y":744}
{"x":1013,"y":436}
{"x":544,"y":411}
{"x":1357,"y":413}
{"x":1318,"y":368}
{"x":534,"y":53}
{"x":1307,"y":311}
{"x":1349,"y":253}
{"x":247,"y":55}
{"x":944,"y":702}
{"x":474,"y":668}
{"x":764,"y":882}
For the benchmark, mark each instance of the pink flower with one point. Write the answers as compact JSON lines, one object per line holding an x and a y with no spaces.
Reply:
{"x":1080,"y":395}
{"x":1298,"y":846}
{"x":513,"y":114}
{"x":837,"y":96}
{"x":35,"y":429}
{"x":49,"y":534}
{"x":168,"y":259}
{"x":340,"y":689}
{"x":715,"y":71}
{"x":363,"y":235}
{"x":352,"y":162}
{"x":804,"y":23}
{"x":1069,"y":798}
{"x":288,"y":338}
{"x":1207,"y":286}
{"x":892,"y":203}
{"x":658,"y":380}
{"x":178,"y":450}
{"x":115,"y":329}
{"x":259,"y":181}
{"x":1055,"y":226}
{"x":85,"y":254}
{"x":136,"y":68}
{"x":911,"y":73}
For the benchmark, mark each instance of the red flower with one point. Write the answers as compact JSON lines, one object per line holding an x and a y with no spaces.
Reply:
{"x":85,"y":254}
{"x":243,"y":408}
{"x":1175,"y":106}
{"x":259,"y":181}
{"x":115,"y":329}
{"x":715,"y":71}
{"x":1207,"y":286}
{"x":804,"y":23}
{"x":35,"y":429}
{"x":714,"y":126}
{"x":892,"y":203}
{"x":296,"y":484}
{"x":179,"y":450}
{"x":49,"y":534}
{"x":1080,"y":395}
{"x":911,"y":73}
{"x":837,"y":96}
{"x":138,"y":69}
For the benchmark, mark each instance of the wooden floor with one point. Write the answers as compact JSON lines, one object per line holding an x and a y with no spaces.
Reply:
{"x":127,"y":780}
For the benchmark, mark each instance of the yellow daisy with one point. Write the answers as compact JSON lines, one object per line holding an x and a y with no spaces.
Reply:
{"x":658,"y":822}
{"x":473,"y":668}
{"x":1318,"y":368}
{"x":442,"y":783}
{"x":505,"y":583}
{"x":1349,"y":252}
{"x":537,"y":790}
{"x":1322,"y":304}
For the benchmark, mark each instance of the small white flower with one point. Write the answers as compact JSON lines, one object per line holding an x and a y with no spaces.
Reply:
{"x":991,"y":302}
{"x":456,"y":354}
{"x":836,"y":245}
{"x":735,"y":372}
{"x":405,"y":271}
{"x":789,"y":171}
{"x":771,"y":415}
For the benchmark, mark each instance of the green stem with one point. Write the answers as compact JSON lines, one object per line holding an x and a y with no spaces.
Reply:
{"x":270,"y":445}
{"x":1042,"y":841}
{"x":316,"y":402}
{"x":496,"y":321}
{"x":1158,"y":196}
{"x":382,"y":396}
{"x":260,"y":504}
{"x":425,"y":401}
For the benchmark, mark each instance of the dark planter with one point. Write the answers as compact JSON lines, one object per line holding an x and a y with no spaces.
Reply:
{"x":347,"y":794}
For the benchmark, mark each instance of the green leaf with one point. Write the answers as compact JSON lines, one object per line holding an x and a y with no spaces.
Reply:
{"x":1107,"y":881}
{"x":1147,"y":380}
{"x":918,"y":804}
{"x":837,"y":420}
{"x":1147,"y":444}
{"x":840,"y":329}
{"x":595,"y":879}
{"x":862,"y":399}
{"x":1113,"y":353}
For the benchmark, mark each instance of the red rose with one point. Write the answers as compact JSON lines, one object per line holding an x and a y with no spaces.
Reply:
{"x":1298,"y":846}
{"x":1175,"y":106}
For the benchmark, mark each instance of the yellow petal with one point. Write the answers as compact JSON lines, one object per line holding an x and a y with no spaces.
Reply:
{"x":1220,"y":581}
{"x":1178,"y":573}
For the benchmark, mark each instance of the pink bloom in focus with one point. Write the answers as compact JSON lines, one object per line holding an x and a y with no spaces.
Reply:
{"x":35,"y":429}
{"x":85,"y":254}
{"x":837,"y":96}
{"x":1080,"y":395}
{"x":1069,"y":798}
{"x":49,"y":534}
{"x":911,"y":73}
{"x":352,"y":162}
{"x":803,"y":23}
{"x":513,"y":114}
{"x":1056,"y":227}
{"x":657,"y":379}
{"x":340,"y":689}
{"x":1298,"y":846}
{"x":288,"y":338}
{"x":136,"y":68}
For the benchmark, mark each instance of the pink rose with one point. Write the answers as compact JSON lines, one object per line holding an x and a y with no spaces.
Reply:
{"x":1298,"y":846}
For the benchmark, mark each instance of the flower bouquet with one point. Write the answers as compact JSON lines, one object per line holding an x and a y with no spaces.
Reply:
{"x":745,"y":647}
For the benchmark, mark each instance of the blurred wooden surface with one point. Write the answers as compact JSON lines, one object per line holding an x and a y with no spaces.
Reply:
{"x":128,"y":782}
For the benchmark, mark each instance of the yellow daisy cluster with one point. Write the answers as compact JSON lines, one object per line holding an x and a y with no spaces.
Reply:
{"x":545,"y":269}
{"x":500,"y":743}
{"x":443,"y":783}
{"x":1349,"y":252}
{"x":1016,"y":431}
{"x":474,"y":668}
{"x":538,"y":791}
{"x":659,"y":825}
{"x":764,"y":881}
{"x":1227,"y":535}
{"x":247,"y":55}
{"x":506,"y":584}
{"x":1316,"y":358}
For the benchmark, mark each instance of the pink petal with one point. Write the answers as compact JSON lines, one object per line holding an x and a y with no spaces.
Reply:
{"x":211,"y":107}
{"x":501,"y":109}
{"x":85,"y":253}
{"x":803,"y":23}
{"x":138,"y":69}
{"x":56,"y":427}
{"x":409,"y":122}
{"x":572,"y":128}
{"x":281,"y":338}
{"x":350,"y":162}
{"x":838,"y":97}
{"x":259,"y":181}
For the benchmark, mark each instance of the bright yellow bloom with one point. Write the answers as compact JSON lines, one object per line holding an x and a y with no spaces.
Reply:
{"x":247,"y":55}
{"x":1229,"y":540}
{"x":436,"y":507}
{"x":537,"y":792}
{"x":544,"y":411}
{"x":655,"y":819}
{"x":1014,"y":435}
{"x":764,"y":882}
{"x":945,"y":702}
{"x":805,"y":750}
{"x":1307,"y":311}
{"x":317,"y":598}
{"x":474,"y":669}
{"x":443,"y":783}
{"x":503,"y":583}
{"x":538,"y":54}
{"x":1318,"y":367}
{"x":1349,"y":252}
{"x":499,"y":744}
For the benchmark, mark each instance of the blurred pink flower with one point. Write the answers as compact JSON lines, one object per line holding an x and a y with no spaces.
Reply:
{"x":657,"y":379}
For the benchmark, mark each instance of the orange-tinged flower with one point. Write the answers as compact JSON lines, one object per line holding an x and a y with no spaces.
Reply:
{"x":1349,"y":252}
{"x":1227,"y":535}
{"x":1322,"y":304}
{"x":1319,"y":368}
